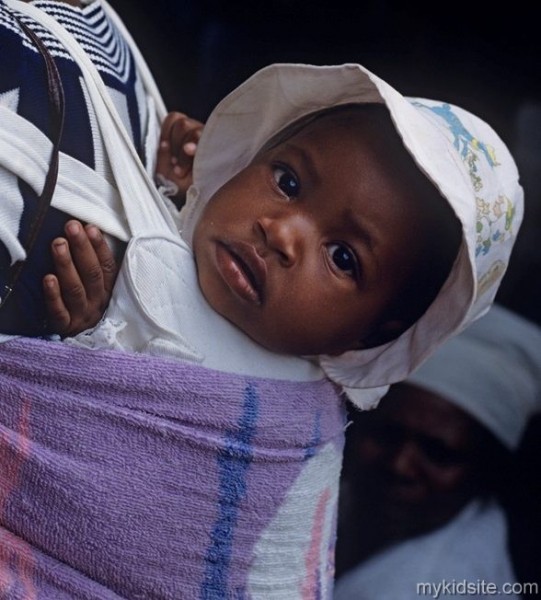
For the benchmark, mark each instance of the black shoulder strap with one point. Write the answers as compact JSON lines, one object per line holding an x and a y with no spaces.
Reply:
{"x":56,"y":110}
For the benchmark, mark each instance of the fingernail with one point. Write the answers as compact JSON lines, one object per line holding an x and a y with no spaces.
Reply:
{"x":49,"y":281}
{"x":164,"y":144}
{"x":174,"y":160}
{"x":73,"y":227}
{"x":60,"y":246}
{"x":93,"y":233}
{"x":178,"y":171}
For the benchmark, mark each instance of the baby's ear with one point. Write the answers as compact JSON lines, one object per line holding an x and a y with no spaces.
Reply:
{"x":386,"y":332}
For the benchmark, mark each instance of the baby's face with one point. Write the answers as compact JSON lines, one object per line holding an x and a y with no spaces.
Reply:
{"x":305,"y":249}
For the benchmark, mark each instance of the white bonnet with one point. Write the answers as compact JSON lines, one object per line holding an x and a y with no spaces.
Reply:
{"x":492,"y":371}
{"x":459,"y":152}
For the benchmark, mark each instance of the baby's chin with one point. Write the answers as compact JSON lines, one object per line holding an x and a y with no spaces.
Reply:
{"x":275,"y":337}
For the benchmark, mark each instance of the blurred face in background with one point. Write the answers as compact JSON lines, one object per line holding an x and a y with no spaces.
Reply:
{"x":416,"y":456}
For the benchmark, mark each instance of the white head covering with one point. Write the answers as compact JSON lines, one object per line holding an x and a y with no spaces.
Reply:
{"x":460,"y":153}
{"x":492,"y":371}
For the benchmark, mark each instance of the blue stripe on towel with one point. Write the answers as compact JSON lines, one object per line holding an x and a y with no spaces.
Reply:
{"x":233,"y":463}
{"x":316,"y":437}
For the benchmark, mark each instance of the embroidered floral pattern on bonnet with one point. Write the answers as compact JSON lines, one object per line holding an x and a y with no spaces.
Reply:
{"x":494,"y":217}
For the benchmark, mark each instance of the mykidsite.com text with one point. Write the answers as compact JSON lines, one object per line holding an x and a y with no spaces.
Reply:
{"x":463,"y":587}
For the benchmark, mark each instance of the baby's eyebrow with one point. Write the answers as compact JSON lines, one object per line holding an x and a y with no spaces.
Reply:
{"x":307,"y":160}
{"x":358,"y":228}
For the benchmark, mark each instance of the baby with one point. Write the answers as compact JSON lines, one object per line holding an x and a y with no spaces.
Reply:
{"x":333,"y":231}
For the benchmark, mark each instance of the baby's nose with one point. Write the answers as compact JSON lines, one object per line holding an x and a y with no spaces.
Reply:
{"x":286,"y":235}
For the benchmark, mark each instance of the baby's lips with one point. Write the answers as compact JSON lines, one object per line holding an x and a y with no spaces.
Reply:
{"x":244,"y":270}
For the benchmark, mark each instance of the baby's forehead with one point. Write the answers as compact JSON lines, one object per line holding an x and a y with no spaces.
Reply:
{"x":365,"y":129}
{"x":359,"y":125}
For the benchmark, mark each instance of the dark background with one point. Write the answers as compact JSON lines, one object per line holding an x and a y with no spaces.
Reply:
{"x":485,"y":57}
{"x":481,"y":56}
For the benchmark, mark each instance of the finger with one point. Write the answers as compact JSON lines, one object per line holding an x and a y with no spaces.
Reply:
{"x":59,"y":316}
{"x":185,"y":134}
{"x":190,"y":148}
{"x":169,"y":122}
{"x":85,"y":259}
{"x":164,"y":159}
{"x":192,"y":137}
{"x":105,"y":256}
{"x":71,"y":287}
{"x":180,"y":161}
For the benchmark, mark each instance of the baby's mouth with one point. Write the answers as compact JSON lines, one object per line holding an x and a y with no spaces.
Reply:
{"x":243,"y":270}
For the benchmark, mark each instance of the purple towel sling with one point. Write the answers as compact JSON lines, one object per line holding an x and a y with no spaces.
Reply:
{"x":128,"y":476}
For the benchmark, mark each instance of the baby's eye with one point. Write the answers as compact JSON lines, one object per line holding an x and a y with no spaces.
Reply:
{"x":343,"y":258}
{"x":286,"y":180}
